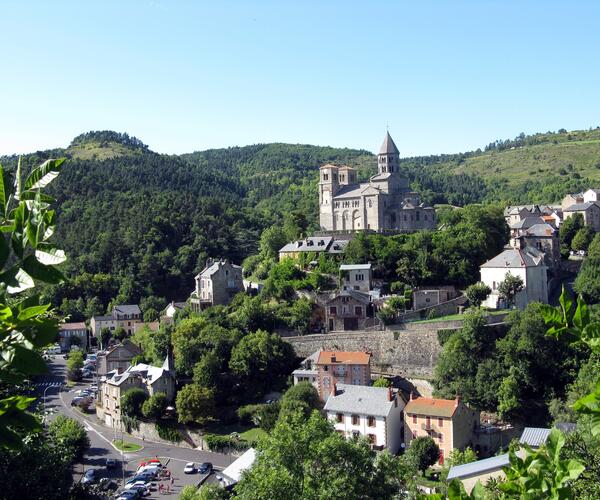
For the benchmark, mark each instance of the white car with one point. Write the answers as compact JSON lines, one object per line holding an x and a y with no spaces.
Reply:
{"x":136,"y":484}
{"x":190,"y":468}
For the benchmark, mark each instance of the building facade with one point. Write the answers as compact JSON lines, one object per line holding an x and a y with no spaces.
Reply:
{"x":385,"y":203}
{"x":527,"y":263}
{"x":342,"y":367}
{"x":117,"y":358}
{"x":68,"y":331}
{"x":318,"y":245}
{"x":218,"y":282}
{"x":371,"y":412}
{"x":121,"y":316}
{"x":590,"y":211}
{"x":307,"y":371}
{"x":542,"y":236}
{"x":449,"y":422}
{"x":358,"y":277}
{"x":348,"y":310}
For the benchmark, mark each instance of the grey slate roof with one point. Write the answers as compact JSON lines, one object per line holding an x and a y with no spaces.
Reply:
{"x":127,"y":309}
{"x":478,"y":467}
{"x":388,"y":146}
{"x":361,"y":400}
{"x":352,"y":267}
{"x":516,"y":258}
{"x":527,"y":222}
{"x":534,"y":436}
{"x":540,"y":230}
{"x":580,"y":207}
{"x":365,"y":298}
{"x":311,"y":244}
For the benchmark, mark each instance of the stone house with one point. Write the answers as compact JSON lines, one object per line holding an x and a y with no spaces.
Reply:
{"x":342,"y":367}
{"x":67,"y":331}
{"x":357,"y":277}
{"x":371,"y":412}
{"x":117,"y":358}
{"x":527,"y":263}
{"x":348,"y":310}
{"x":121,"y":316}
{"x":424,"y":297}
{"x":541,"y":236}
{"x":385,"y":203}
{"x":571,"y":199}
{"x":590,"y":211}
{"x":152,"y":379}
{"x":218,"y":282}
{"x":449,"y":422}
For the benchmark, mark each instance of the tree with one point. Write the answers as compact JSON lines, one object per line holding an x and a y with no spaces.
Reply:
{"x":509,"y":288}
{"x":205,"y":492}
{"x":423,"y":452}
{"x":195,"y":404}
{"x":301,"y":397}
{"x":260,"y":358}
{"x":70,"y":433}
{"x":132,"y":401}
{"x":74,"y":365}
{"x":27,"y":258}
{"x":582,"y":239}
{"x":587,"y":283}
{"x":154,"y":407}
{"x":105,"y":337}
{"x":477,"y":293}
{"x":460,"y":457}
{"x":382,"y":382}
{"x":150,"y":315}
{"x":120,"y":333}
{"x":569,"y":228}
{"x":207,"y":370}
{"x":305,"y":458}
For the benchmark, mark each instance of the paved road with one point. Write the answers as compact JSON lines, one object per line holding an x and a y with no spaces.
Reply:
{"x":58,"y":402}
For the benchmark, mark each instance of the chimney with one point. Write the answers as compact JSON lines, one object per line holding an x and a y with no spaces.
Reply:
{"x":333,"y":358}
{"x":457,"y":401}
{"x":334,"y":390}
{"x":390,"y":394}
{"x":413,"y":395}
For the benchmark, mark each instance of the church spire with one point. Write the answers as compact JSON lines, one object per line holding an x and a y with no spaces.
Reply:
{"x":388,"y":146}
{"x":388,"y":157}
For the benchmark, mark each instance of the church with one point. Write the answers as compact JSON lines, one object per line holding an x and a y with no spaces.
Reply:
{"x":384,"y":204}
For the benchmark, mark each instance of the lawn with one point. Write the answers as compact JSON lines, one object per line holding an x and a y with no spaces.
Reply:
{"x":246,"y":433}
{"x":453,"y":317}
{"x":126,"y":446}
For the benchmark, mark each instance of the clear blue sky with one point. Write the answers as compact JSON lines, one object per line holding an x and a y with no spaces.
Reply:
{"x":182,"y":76}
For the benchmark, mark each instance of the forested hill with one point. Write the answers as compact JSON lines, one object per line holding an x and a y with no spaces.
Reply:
{"x":136,"y":223}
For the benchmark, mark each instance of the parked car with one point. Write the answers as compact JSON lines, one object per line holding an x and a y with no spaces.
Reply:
{"x":129,"y":495}
{"x":142,"y":488}
{"x":77,"y":401}
{"x":205,"y":468}
{"x":86,"y":373}
{"x":152,"y":461}
{"x":108,"y":484}
{"x":54,"y":350}
{"x":111,"y":463}
{"x":190,"y":468}
{"x":89,"y":476}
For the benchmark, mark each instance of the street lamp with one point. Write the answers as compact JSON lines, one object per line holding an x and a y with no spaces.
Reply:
{"x":44,"y":396}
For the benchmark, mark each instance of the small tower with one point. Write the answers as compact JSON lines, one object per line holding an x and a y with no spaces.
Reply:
{"x":328,"y":186}
{"x":389,"y":156}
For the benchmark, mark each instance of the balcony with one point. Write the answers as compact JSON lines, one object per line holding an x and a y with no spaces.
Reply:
{"x":429,"y":427}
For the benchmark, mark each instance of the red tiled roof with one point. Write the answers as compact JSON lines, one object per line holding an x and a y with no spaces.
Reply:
{"x":432,"y":407}
{"x":344,"y":357}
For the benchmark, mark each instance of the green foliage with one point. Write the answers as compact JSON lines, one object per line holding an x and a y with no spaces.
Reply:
{"x":587,"y":283}
{"x":105,"y":336}
{"x":306,"y":459}
{"x":74,"y":365}
{"x":195,"y":404}
{"x":71,"y":434}
{"x":132,"y":401}
{"x":168,"y":429}
{"x":207,"y":370}
{"x":154,"y":407}
{"x":423,"y":452}
{"x":302,"y":397}
{"x":460,"y":457}
{"x":382,"y":382}
{"x":477,"y":293}
{"x":27,"y":259}
{"x":582,"y":239}
{"x":569,"y":228}
{"x":509,"y":288}
{"x":205,"y":492}
{"x":219,"y":443}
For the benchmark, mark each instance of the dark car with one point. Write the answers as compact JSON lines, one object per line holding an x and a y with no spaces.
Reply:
{"x":107,"y":484}
{"x":129,"y":495}
{"x":205,"y":468}
{"x":111,"y":463}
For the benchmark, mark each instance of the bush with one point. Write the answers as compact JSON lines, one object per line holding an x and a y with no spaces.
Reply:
{"x":423,"y":452}
{"x":219,"y":443}
{"x":132,"y":401}
{"x":155,"y":406}
{"x":168,"y":430}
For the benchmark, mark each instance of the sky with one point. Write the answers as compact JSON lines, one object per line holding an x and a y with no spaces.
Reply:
{"x":444,"y":76}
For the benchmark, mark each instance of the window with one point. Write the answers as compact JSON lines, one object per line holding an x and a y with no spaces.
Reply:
{"x":355,"y":434}
{"x":418,"y":215}
{"x":371,"y":421}
{"x":356,"y":381}
{"x":441,"y":436}
{"x":356,"y":287}
{"x":355,"y":419}
{"x":325,"y":381}
{"x":372,"y":439}
{"x":333,"y":310}
{"x":360,"y":277}
{"x":325,"y":177}
{"x":414,"y":419}
{"x":226,"y":272}
{"x":339,"y":417}
{"x":358,"y":310}
{"x":356,"y":368}
{"x":414,"y":434}
{"x":440,"y":422}
{"x":370,"y":203}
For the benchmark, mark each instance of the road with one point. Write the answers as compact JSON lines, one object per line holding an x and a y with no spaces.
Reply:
{"x":58,"y":401}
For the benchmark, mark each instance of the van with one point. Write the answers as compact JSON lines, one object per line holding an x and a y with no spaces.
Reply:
{"x":54,"y":350}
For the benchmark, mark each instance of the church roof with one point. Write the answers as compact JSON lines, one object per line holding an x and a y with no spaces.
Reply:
{"x":388,"y":146}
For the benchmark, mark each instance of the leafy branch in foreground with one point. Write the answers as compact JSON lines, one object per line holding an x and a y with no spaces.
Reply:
{"x":26,"y":257}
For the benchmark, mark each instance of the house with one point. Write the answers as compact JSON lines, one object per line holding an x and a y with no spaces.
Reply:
{"x":118,"y":358}
{"x":590,"y":211}
{"x":314,"y":244}
{"x":172,"y":308}
{"x":571,"y":199}
{"x":342,"y":367}
{"x":152,"y":379}
{"x":424,"y":297}
{"x":348,"y":310}
{"x":385,"y":203}
{"x":591,"y":195}
{"x":449,"y":422}
{"x":69,"y":331}
{"x":541,"y":236}
{"x":371,"y":412}
{"x":527,"y":263}
{"x":218,"y":282}
{"x":357,"y":277}
{"x":307,"y":372}
{"x":121,"y":316}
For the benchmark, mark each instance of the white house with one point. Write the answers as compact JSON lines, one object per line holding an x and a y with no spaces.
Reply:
{"x":173,"y":307}
{"x":372,"y":412}
{"x":528,"y":264}
{"x":591,"y":195}
{"x":307,"y":372}
{"x":357,"y":277}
